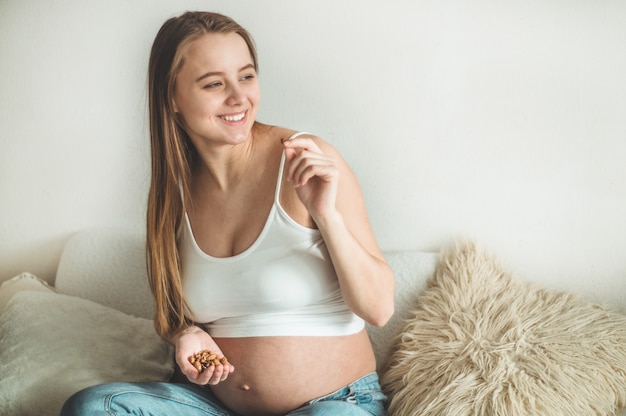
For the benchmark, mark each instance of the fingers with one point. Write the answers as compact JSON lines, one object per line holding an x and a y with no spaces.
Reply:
{"x":302,"y":143}
{"x":307,"y":161}
{"x":310,"y":168}
{"x":213,"y":375}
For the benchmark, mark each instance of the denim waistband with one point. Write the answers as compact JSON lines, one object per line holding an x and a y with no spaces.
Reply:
{"x":366,"y":384}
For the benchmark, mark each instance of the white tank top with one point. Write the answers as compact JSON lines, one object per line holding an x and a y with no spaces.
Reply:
{"x":284,"y":284}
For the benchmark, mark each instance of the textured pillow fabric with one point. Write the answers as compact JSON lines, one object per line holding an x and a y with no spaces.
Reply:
{"x":52,"y":345}
{"x":482,"y":343}
{"x":24,"y":281}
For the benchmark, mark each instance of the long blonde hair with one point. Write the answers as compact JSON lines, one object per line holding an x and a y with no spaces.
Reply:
{"x":173,"y":157}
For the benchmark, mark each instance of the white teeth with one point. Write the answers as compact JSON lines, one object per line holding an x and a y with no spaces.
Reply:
{"x":234,"y":118}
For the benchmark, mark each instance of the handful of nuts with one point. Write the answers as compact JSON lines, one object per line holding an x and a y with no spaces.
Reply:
{"x":204,"y":359}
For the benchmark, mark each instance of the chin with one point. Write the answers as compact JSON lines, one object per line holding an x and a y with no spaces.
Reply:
{"x":240,"y":138}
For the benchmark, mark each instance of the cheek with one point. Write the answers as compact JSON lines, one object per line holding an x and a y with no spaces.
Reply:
{"x":257,"y":94}
{"x":192,"y":107}
{"x":254,"y":96}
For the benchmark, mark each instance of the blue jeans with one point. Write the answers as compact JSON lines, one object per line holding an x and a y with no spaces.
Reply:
{"x":362,"y":397}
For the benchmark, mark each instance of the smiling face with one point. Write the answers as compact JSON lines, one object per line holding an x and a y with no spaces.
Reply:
{"x":216,"y":93}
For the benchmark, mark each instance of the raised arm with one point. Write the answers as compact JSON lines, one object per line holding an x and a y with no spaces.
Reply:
{"x":329,"y":190}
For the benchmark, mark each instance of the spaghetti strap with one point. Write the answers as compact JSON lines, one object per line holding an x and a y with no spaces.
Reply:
{"x":279,"y":181}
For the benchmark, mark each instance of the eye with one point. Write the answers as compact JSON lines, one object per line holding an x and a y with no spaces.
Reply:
{"x":248,"y":77}
{"x":212,"y":85}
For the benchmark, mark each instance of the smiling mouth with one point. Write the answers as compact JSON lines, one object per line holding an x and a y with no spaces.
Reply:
{"x":236,"y":117}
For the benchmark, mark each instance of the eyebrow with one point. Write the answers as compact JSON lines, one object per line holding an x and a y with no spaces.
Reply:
{"x":210,"y":74}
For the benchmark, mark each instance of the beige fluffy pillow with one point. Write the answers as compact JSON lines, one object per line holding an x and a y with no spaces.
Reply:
{"x":52,"y":345}
{"x":483,"y":343}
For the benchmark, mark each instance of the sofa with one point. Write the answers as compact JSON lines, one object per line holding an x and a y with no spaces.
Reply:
{"x":467,"y":337}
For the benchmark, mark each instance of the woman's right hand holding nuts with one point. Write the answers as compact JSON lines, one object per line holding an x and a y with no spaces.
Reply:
{"x":190,"y":342}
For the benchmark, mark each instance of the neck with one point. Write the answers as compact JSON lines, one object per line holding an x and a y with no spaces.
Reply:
{"x":227,"y":166}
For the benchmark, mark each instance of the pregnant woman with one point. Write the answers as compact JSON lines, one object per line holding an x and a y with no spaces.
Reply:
{"x":258,"y":244}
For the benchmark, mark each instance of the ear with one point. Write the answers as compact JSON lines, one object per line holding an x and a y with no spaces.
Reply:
{"x":174,"y":106}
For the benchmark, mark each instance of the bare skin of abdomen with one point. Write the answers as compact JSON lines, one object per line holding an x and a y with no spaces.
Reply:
{"x":274,"y":375}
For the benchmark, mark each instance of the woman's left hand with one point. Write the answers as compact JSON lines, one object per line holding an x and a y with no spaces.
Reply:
{"x":314,"y":175}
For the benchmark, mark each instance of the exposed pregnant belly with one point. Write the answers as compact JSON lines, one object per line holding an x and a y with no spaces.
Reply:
{"x":274,"y":375}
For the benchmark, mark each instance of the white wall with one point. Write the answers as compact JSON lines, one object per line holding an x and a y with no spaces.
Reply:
{"x":503,"y":121}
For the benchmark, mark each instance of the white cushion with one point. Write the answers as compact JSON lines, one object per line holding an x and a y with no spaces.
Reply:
{"x":107,"y":266}
{"x":24,"y":281}
{"x":52,"y":345}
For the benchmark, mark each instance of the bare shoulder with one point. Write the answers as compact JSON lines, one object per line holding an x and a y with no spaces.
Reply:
{"x":324,"y":145}
{"x":330,"y":150}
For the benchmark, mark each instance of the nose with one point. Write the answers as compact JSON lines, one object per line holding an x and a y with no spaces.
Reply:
{"x":235,"y":94}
